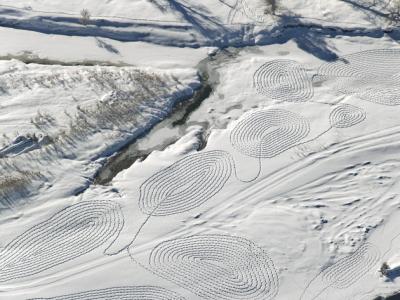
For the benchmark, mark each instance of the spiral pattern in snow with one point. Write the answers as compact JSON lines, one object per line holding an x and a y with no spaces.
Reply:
{"x":217,"y":267}
{"x":346,"y":115}
{"x":267,"y":133}
{"x":70,"y":233}
{"x":284,"y":80}
{"x":186,"y":184}
{"x":372,"y":75}
{"x":351,"y":268}
{"x":121,"y":293}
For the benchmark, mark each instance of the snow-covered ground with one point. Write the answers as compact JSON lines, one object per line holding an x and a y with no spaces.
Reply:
{"x":60,"y":120}
{"x":295,"y":195}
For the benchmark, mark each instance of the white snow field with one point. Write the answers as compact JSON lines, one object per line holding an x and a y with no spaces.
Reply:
{"x":282,"y":183}
{"x":62,"y":120}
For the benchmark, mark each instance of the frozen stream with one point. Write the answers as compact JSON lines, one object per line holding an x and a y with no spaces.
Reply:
{"x":174,"y":127}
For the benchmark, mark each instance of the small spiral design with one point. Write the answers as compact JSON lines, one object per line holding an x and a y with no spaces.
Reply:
{"x":267,"y":133}
{"x":346,"y":115}
{"x":186,"y":184}
{"x":284,"y":80}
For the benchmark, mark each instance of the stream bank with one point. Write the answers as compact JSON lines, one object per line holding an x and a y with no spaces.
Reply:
{"x":168,"y":131}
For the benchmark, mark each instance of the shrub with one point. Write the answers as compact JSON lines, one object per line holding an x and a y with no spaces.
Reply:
{"x":394,"y":12}
{"x":384,"y":269}
{"x":85,"y":16}
{"x":272,"y":6}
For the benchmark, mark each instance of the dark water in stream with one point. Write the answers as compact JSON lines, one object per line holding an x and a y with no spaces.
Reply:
{"x":162,"y":135}
{"x":167,"y":131}
{"x":394,"y":297}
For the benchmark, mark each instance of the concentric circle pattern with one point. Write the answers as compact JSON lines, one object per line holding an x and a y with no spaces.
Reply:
{"x":185,"y":184}
{"x":70,"y":233}
{"x":385,"y":93}
{"x":371,"y":75}
{"x":267,"y":133}
{"x":370,"y":63}
{"x":121,"y":293}
{"x":350,"y":269}
{"x":284,"y":80}
{"x":217,"y":267}
{"x":346,"y":115}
